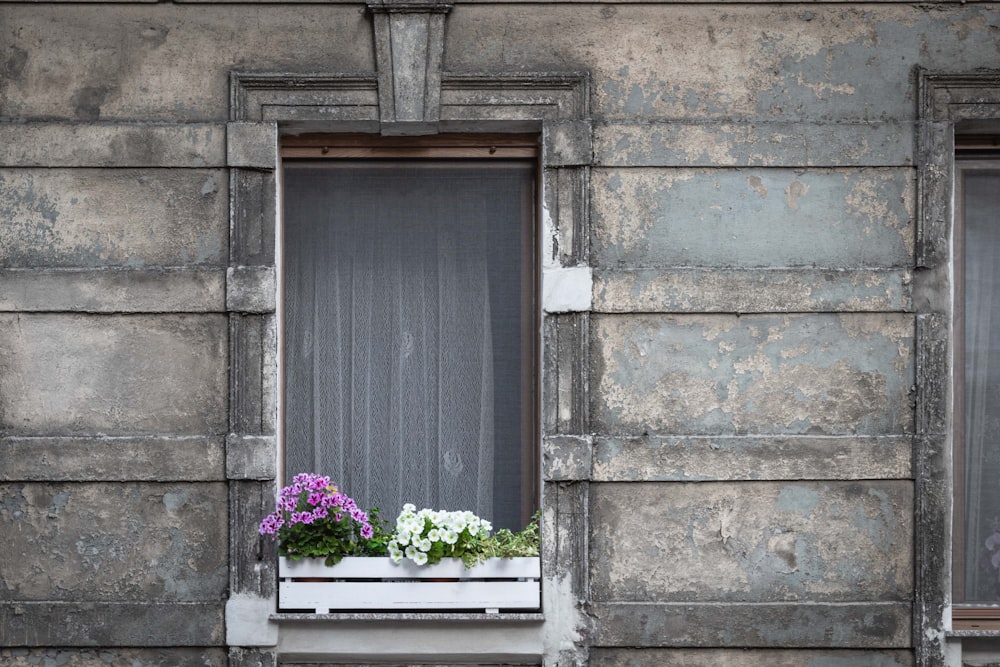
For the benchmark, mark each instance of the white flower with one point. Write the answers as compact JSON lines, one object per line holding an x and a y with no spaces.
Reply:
{"x":449,"y":536}
{"x":394,"y":553}
{"x":402,"y":536}
{"x":411,"y":552}
{"x":433,"y":535}
{"x":420,"y":558}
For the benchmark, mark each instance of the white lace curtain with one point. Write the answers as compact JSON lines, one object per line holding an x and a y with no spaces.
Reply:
{"x":401,"y":317}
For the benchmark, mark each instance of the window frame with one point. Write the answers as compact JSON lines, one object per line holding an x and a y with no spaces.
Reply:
{"x":267,"y":105}
{"x":456,"y":146}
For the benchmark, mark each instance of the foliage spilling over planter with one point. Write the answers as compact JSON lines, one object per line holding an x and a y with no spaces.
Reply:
{"x":438,"y":560}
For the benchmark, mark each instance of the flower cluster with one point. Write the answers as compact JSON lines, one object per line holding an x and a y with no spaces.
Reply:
{"x":312,"y":518}
{"x":428,"y":536}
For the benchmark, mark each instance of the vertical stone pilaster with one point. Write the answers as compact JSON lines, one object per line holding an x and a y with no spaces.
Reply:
{"x":251,"y":456}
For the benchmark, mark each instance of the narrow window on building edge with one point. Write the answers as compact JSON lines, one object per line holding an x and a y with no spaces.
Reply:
{"x":409,"y":321}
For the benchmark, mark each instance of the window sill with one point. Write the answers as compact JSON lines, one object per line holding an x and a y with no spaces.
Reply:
{"x":408,"y":617}
{"x":978,"y":632}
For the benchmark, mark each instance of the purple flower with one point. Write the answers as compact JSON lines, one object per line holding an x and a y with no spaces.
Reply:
{"x":300,"y":517}
{"x":271,"y":524}
{"x":318,"y":483}
{"x":313,"y":499}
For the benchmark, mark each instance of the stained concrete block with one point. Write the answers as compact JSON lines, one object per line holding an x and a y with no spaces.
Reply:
{"x":164,"y":63}
{"x":250,"y":457}
{"x":756,"y":144}
{"x":714,"y":625}
{"x":118,"y":145}
{"x":252,"y":145}
{"x":626,"y":657}
{"x":113,"y":657}
{"x":751,"y":290}
{"x":123,"y":218}
{"x":566,"y":457}
{"x":113,"y":290}
{"x":714,"y":458}
{"x":118,"y":542}
{"x":250,"y":289}
{"x":752,"y":542}
{"x":115,"y":374}
{"x":113,"y":624}
{"x":756,"y":374}
{"x":752,"y":218}
{"x":755,"y":61}
{"x":104,"y":458}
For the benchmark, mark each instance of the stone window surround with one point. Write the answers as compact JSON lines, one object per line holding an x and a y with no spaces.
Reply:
{"x":265,"y":106}
{"x":946,"y":102}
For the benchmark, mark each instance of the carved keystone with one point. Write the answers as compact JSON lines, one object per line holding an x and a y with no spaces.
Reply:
{"x":409,"y":43}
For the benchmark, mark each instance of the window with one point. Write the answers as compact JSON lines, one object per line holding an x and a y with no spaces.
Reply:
{"x":409,"y":320}
{"x":976,"y":553}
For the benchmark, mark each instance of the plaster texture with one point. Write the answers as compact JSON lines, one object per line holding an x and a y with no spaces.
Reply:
{"x":742,"y":657}
{"x":756,"y":374}
{"x":707,"y":290}
{"x":132,"y":218}
{"x":166,"y":63}
{"x":203,"y":657}
{"x":823,"y":62}
{"x":752,"y":218}
{"x":113,"y":542}
{"x":763,"y":542}
{"x":749,"y":458}
{"x":113,"y":374}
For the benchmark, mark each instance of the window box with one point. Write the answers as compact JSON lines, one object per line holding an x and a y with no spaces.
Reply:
{"x":378,"y":584}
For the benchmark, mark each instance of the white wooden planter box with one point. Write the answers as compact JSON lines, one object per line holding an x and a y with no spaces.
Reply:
{"x":378,"y":584}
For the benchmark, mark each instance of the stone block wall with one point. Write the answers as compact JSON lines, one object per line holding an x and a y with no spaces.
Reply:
{"x":731,"y":444}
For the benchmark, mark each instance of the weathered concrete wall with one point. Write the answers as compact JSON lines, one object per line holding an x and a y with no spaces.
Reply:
{"x":730,"y":431}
